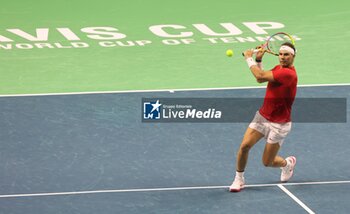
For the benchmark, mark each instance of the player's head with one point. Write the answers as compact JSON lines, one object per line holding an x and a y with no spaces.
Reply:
{"x":286,"y":54}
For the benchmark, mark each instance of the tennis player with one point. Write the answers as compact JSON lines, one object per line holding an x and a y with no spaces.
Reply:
{"x":273,"y":120}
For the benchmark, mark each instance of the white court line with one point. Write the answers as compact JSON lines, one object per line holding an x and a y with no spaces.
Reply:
{"x":295,"y":199}
{"x":164,"y":189}
{"x":163,"y":90}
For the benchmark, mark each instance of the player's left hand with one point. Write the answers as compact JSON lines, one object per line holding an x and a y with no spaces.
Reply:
{"x":248,"y":53}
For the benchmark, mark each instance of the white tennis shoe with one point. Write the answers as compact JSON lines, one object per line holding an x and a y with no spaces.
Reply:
{"x":287,"y":171}
{"x":237,"y":185}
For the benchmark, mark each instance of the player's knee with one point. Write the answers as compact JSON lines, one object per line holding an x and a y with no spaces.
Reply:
{"x":245,"y":147}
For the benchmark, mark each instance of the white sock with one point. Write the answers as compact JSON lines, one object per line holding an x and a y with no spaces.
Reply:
{"x":239,"y":175}
{"x":288,"y":163}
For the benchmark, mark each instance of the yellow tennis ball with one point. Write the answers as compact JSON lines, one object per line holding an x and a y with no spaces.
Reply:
{"x":229,"y":52}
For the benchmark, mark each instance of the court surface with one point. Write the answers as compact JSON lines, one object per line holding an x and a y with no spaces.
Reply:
{"x":73,"y":76}
{"x":91,"y":153}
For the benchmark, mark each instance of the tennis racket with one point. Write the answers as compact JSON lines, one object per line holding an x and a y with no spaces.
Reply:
{"x":274,"y":42}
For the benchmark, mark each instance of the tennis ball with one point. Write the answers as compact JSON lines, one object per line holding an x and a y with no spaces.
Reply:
{"x":229,"y":53}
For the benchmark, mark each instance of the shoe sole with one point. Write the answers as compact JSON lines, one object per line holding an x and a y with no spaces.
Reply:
{"x":236,"y":190}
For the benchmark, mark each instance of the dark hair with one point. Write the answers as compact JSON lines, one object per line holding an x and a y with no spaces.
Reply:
{"x":289,"y":45}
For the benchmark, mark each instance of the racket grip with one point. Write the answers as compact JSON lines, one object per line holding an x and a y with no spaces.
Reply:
{"x":254,"y":51}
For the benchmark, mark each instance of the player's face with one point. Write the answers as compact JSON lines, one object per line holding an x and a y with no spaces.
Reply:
{"x":286,"y":58}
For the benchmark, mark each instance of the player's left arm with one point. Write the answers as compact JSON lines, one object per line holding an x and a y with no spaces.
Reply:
{"x":259,"y":74}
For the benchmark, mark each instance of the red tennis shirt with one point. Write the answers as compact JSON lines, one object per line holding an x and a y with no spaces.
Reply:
{"x":280,"y":94}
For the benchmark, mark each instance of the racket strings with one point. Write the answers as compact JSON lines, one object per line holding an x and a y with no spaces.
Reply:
{"x":276,"y":41}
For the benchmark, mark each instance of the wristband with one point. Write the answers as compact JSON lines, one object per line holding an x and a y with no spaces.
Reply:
{"x":258,"y":60}
{"x":250,"y":61}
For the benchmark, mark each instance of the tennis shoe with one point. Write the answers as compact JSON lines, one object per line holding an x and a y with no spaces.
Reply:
{"x":287,"y":171}
{"x":237,"y":185}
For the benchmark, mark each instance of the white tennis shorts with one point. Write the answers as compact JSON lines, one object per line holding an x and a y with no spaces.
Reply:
{"x":273,"y":132}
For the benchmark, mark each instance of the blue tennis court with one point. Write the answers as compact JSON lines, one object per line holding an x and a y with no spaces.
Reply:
{"x":89,"y":153}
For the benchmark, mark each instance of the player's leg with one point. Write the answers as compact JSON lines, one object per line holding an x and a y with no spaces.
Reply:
{"x":275,"y":139}
{"x":270,"y":157}
{"x":251,"y":137}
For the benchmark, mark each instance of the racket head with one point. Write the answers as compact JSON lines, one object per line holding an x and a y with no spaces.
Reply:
{"x":275,"y":41}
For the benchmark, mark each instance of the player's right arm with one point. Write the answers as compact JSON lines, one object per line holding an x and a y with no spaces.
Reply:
{"x":260,"y":54}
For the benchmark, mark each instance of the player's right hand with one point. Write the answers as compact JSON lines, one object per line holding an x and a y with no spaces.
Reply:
{"x":260,"y":54}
